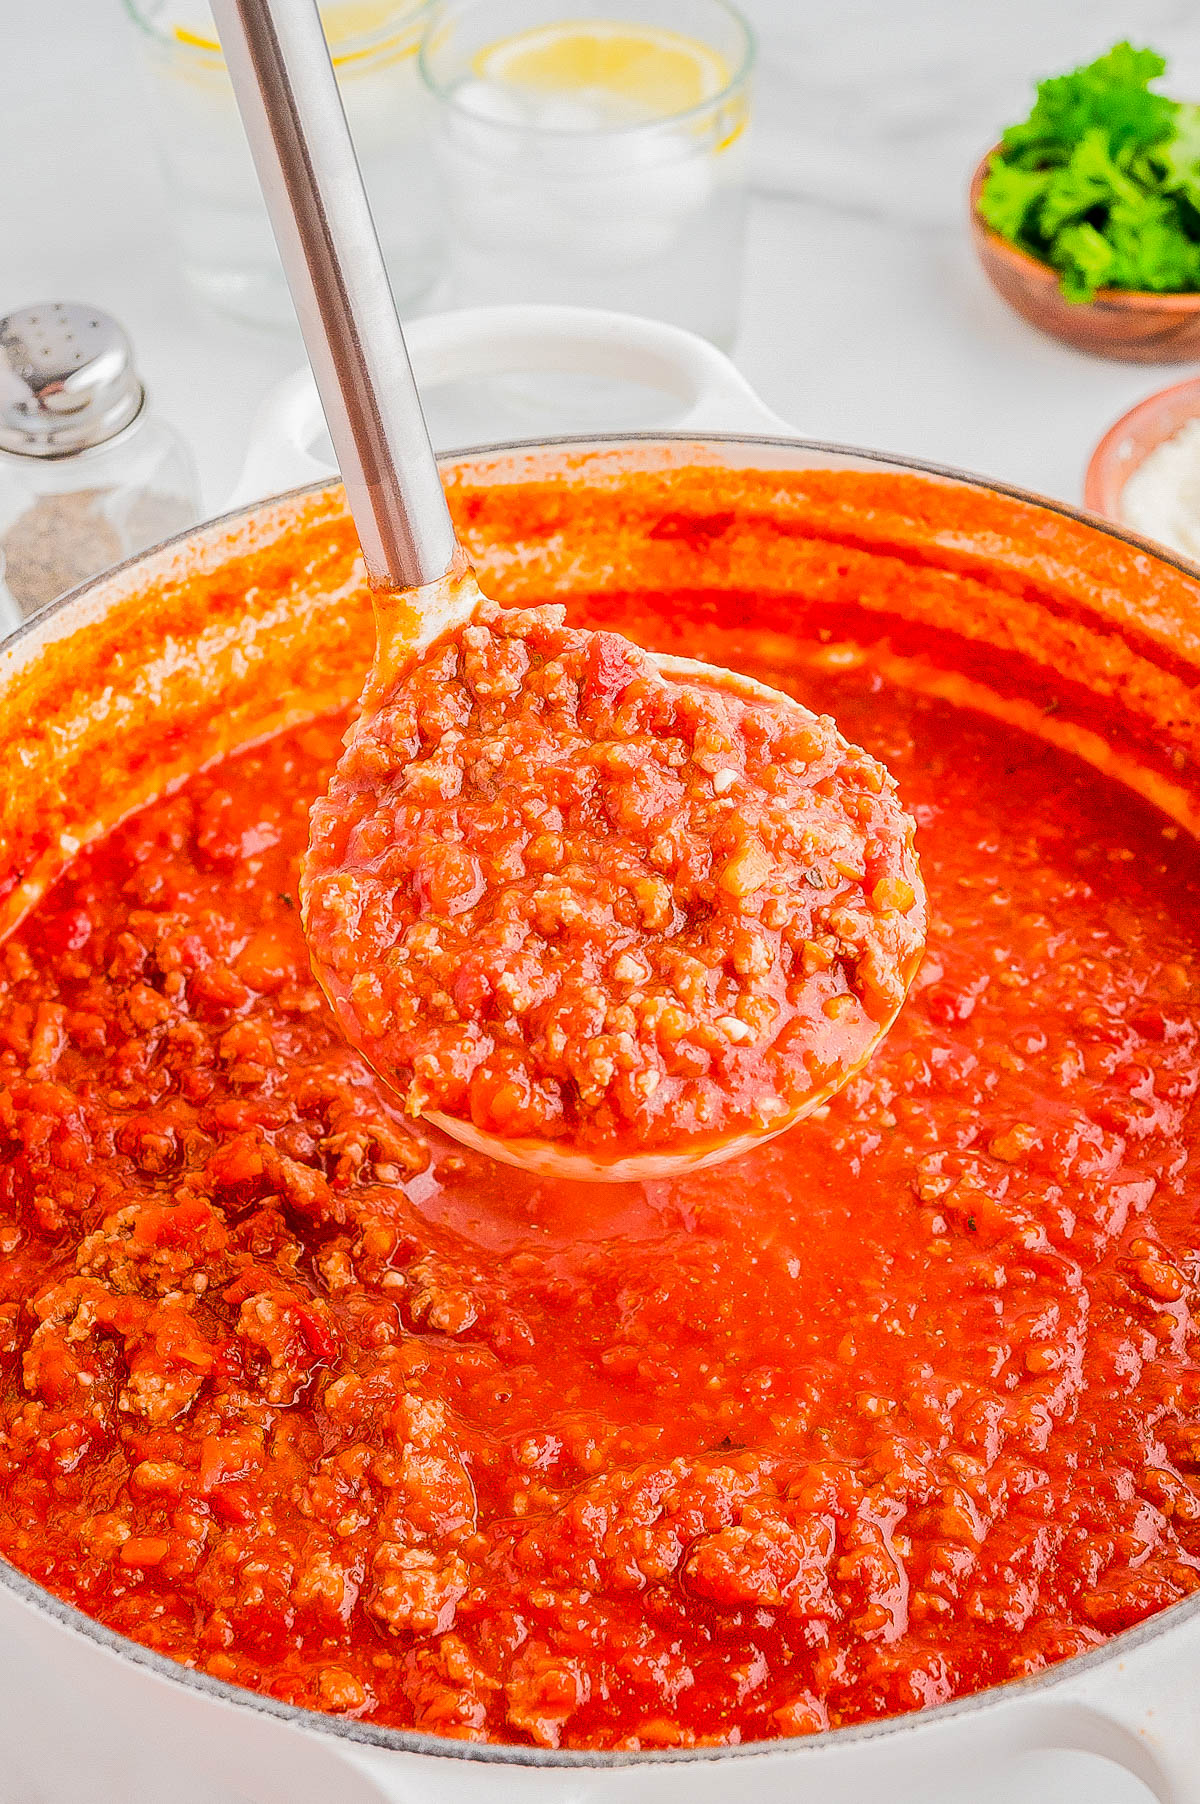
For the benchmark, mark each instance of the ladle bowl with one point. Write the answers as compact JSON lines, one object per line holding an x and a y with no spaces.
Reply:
{"x":284,"y":84}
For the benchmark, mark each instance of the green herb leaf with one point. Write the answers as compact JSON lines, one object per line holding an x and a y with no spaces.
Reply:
{"x":1111,"y":94}
{"x":1010,"y":195}
{"x":1090,"y":180}
{"x":1086,"y":259}
{"x":1179,"y":157}
{"x":1102,"y":181}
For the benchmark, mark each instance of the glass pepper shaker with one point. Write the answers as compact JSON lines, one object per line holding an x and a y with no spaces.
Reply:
{"x":88,"y":474}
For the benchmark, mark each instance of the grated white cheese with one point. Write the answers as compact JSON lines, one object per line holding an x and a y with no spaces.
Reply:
{"x":1162,"y":497}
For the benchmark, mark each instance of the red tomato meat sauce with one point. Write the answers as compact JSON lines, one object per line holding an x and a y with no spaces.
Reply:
{"x":903,"y":1404}
{"x":559,"y":894}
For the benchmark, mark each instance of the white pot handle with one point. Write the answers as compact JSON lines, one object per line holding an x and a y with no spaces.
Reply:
{"x":1139,"y":1709}
{"x":1135,"y":1707}
{"x":476,"y":342}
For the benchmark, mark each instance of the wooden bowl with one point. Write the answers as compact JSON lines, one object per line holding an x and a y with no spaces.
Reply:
{"x":1127,"y":444}
{"x":1130,"y":326}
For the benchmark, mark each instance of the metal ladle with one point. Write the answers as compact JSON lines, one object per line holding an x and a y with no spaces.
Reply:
{"x":287,"y":94}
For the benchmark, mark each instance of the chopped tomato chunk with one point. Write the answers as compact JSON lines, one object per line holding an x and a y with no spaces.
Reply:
{"x":901,"y":1405}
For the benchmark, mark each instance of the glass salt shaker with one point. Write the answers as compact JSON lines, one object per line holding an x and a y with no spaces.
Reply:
{"x":88,"y":474}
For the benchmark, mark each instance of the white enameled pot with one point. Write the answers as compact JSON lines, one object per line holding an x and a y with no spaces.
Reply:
{"x":699,"y":386}
{"x":87,"y":1715}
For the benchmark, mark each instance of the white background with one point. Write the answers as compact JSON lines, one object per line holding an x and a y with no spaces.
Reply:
{"x":864,"y":317}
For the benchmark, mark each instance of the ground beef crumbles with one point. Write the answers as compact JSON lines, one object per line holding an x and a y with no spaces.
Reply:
{"x":566,"y":897}
{"x":902,"y":1404}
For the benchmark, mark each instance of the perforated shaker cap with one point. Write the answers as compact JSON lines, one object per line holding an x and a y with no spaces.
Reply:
{"x":67,"y":380}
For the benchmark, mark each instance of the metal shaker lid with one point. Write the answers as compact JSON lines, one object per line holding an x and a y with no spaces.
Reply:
{"x":67,"y":380}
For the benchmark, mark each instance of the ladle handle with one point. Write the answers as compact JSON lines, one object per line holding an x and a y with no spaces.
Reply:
{"x":288,"y":97}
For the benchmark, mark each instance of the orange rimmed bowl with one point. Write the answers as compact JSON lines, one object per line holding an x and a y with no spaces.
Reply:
{"x":1124,"y":324}
{"x":1127,"y":444}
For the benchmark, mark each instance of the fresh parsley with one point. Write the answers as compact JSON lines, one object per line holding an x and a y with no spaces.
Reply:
{"x":1102,"y":181}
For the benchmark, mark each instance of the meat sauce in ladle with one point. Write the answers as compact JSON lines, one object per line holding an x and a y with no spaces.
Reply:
{"x":599,"y":913}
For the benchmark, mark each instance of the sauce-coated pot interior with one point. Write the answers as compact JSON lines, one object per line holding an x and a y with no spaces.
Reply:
{"x":1076,"y":633}
{"x":917,"y":607}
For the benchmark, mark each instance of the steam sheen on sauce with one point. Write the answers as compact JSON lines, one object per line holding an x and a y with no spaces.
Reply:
{"x":903,"y":1404}
{"x":304,"y":1395}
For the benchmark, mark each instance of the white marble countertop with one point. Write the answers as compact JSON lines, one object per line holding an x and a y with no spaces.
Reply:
{"x":865,"y":319}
